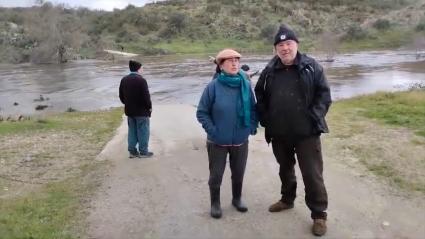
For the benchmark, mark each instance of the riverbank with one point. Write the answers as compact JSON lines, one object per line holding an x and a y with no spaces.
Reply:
{"x":170,"y":27}
{"x":382,"y":134}
{"x":372,"y":41}
{"x":47,"y":190}
{"x":48,"y":172}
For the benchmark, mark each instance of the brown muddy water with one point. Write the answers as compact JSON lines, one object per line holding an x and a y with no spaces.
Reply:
{"x":91,"y":85}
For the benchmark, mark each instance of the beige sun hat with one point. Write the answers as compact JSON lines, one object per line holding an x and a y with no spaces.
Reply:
{"x":226,"y":54}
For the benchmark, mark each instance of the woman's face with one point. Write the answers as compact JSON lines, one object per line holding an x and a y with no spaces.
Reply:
{"x":230,"y":66}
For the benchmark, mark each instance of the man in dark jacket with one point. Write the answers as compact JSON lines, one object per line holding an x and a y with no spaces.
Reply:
{"x":134,"y":94}
{"x":293,"y":98}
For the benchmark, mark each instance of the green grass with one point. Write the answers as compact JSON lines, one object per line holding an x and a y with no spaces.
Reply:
{"x":26,"y":126}
{"x":379,"y":40}
{"x":360,"y":131}
{"x":376,"y":40}
{"x":387,"y":171}
{"x":99,"y":122}
{"x":54,"y":210}
{"x":51,"y":212}
{"x":182,"y":46}
{"x":213,"y":46}
{"x":406,"y":109}
{"x":186,"y":46}
{"x":44,"y":214}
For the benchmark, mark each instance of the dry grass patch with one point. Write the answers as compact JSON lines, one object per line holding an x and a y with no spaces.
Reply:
{"x":363,"y":136}
{"x":48,"y":171}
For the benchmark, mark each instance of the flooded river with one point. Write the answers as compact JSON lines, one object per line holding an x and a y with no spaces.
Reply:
{"x":91,"y":85}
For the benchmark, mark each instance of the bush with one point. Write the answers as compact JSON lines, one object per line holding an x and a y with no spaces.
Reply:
{"x":177,"y":21}
{"x":387,"y":4}
{"x":268,"y":31}
{"x":70,"y":109}
{"x":213,"y":7}
{"x":382,"y":24}
{"x":147,"y":22}
{"x":421,"y":26}
{"x":126,"y":35}
{"x":355,"y":32}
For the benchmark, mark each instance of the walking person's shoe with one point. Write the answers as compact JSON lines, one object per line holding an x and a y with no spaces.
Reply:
{"x":134,"y":155}
{"x":319,"y":227}
{"x":215,"y":202}
{"x":146,"y":155}
{"x":280,"y":206}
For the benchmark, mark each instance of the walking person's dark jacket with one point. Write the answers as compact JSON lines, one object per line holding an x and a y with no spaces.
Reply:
{"x":134,"y":94}
{"x":313,"y":87}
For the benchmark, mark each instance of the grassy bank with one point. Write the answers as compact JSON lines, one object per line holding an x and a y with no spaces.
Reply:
{"x":187,"y":46}
{"x":48,"y":172}
{"x":375,"y":40}
{"x":385,"y":133}
{"x":379,"y":40}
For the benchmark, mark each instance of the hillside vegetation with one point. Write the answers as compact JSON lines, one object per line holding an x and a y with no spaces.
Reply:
{"x":55,"y":33}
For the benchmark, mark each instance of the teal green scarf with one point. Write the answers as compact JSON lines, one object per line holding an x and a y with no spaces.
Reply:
{"x":239,"y":80}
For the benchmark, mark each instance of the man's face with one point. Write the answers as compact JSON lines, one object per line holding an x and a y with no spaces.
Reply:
{"x":287,"y":51}
{"x":230,"y":66}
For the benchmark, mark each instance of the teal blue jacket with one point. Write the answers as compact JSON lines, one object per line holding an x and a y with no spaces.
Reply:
{"x":217,"y":112}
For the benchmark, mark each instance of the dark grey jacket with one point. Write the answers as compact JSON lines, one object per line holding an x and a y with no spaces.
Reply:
{"x":134,"y":94}
{"x":313,"y":84}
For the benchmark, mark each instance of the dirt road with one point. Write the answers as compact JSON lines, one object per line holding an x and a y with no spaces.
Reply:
{"x":167,"y":196}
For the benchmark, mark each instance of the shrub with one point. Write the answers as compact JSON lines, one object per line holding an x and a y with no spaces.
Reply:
{"x":268,"y":31}
{"x":421,"y":26}
{"x":177,"y":21}
{"x":382,"y":24}
{"x":213,"y":7}
{"x":70,"y":109}
{"x":355,"y":32}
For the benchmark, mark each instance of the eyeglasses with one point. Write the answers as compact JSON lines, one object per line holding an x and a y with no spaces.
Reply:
{"x":234,"y":59}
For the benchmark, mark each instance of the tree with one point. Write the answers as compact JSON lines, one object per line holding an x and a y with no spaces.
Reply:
{"x":177,"y":21}
{"x":53,"y":32}
{"x":382,"y":24}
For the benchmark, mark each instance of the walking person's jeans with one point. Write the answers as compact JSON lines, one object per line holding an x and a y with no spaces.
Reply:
{"x":138,"y":134}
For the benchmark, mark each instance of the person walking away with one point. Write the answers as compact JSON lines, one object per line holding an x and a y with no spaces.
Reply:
{"x":293,"y":98}
{"x":226,"y":111}
{"x":246,"y":69}
{"x":134,"y":94}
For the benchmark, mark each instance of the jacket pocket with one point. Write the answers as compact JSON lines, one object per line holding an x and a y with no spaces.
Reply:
{"x":212,"y":131}
{"x":316,"y":122}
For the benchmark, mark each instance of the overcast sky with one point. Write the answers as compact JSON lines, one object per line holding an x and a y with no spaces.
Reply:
{"x":107,"y":5}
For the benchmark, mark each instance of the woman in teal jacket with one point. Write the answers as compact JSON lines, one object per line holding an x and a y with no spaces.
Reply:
{"x":226,"y":111}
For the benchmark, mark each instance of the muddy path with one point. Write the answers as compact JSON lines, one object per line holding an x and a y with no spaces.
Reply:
{"x":167,"y":196}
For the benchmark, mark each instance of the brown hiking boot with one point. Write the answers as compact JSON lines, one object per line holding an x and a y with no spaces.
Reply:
{"x":319,"y":227}
{"x":279,"y":206}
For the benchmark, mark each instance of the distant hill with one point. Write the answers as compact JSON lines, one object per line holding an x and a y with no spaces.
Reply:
{"x":53,"y":33}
